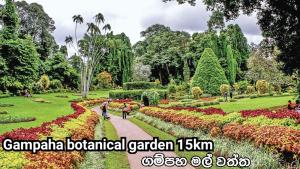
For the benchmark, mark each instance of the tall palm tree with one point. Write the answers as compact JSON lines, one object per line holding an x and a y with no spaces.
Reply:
{"x":69,"y":39}
{"x":106,"y":28}
{"x":93,"y":28}
{"x":99,"y":18}
{"x":78,"y":19}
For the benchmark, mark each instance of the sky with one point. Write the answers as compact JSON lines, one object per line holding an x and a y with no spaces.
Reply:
{"x":134,"y":16}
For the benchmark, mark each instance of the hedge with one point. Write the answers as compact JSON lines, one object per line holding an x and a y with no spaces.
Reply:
{"x":133,"y":94}
{"x":140,"y":85}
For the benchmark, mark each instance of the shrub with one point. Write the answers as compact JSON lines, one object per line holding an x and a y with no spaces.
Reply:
{"x":243,"y":86}
{"x":133,"y":94}
{"x":197,"y":92}
{"x":44,"y":82}
{"x":171,"y":89}
{"x":153,"y":97}
{"x":224,"y":88}
{"x":104,"y":79}
{"x":209,"y":75}
{"x":277,"y":89}
{"x":262,"y":86}
{"x":56,"y":84}
{"x":180,"y":90}
{"x":140,"y":85}
{"x":236,"y":87}
{"x":250,"y":89}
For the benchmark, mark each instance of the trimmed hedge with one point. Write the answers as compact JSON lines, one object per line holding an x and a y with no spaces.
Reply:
{"x":140,"y":85}
{"x":133,"y":94}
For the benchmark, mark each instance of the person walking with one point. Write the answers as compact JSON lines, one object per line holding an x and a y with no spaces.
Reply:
{"x":226,"y":97}
{"x":104,"y":108}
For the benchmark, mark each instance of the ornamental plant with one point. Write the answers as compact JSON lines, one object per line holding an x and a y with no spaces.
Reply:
{"x":44,"y":82}
{"x":262,"y":86}
{"x":153,"y":97}
{"x":209,"y":75}
{"x":197,"y":92}
{"x":224,"y":88}
{"x":250,"y":89}
{"x":104,"y":79}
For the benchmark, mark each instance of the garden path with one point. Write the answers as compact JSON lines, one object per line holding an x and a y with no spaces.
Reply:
{"x":131,"y":131}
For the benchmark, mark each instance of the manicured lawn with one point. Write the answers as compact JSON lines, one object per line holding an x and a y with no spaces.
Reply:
{"x":257,"y":103}
{"x":114,"y":159}
{"x":43,"y":112}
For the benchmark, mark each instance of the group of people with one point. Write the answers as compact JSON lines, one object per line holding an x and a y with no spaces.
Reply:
{"x":294,"y":106}
{"x":104,"y":107}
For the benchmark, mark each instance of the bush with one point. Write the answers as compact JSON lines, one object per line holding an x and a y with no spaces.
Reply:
{"x":240,"y":96}
{"x":224,"y":88}
{"x":104,"y":79}
{"x":56,"y":84}
{"x":197,"y":92}
{"x":277,"y":89}
{"x":250,"y":89}
{"x":171,"y":89}
{"x":15,"y":88}
{"x":236,"y":87}
{"x":140,"y":85}
{"x":209,"y":75}
{"x":262,"y":86}
{"x":133,"y":94}
{"x":253,"y":96}
{"x":153,"y":97}
{"x":44,"y":82}
{"x":243,"y":86}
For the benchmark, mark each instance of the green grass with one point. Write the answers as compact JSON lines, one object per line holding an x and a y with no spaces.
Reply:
{"x":155,"y":132}
{"x":43,"y":112}
{"x":114,"y":159}
{"x":257,"y":103}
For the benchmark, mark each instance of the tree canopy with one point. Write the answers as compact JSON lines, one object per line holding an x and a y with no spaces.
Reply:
{"x":278,"y":20}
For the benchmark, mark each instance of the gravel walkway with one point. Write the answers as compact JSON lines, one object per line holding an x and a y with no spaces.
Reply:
{"x":131,"y":131}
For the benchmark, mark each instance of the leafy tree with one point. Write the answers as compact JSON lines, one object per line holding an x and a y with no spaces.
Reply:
{"x":36,"y":22}
{"x":20,"y":59}
{"x":231,"y":66}
{"x":141,"y":72}
{"x":269,"y":69}
{"x":186,"y":71}
{"x":104,"y":79}
{"x":209,"y":74}
{"x":44,"y":82}
{"x":163,"y":49}
{"x":75,"y":61}
{"x":58,"y":68}
{"x":279,"y":20}
{"x":10,"y":21}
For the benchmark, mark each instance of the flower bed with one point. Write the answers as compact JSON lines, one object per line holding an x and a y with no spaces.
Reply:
{"x":79,"y":125}
{"x":207,"y":111}
{"x":278,"y":114}
{"x":279,"y":138}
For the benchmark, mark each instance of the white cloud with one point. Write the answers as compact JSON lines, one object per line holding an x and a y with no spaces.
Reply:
{"x":133,"y":16}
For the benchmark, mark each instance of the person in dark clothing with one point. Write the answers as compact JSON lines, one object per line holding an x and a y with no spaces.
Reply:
{"x":231,"y":92}
{"x":226,"y":97}
{"x":125,"y":110}
{"x":290,"y":105}
{"x":104,"y":108}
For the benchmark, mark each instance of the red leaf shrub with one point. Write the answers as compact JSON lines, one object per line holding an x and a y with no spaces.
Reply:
{"x":278,"y":114}
{"x":207,"y":111}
